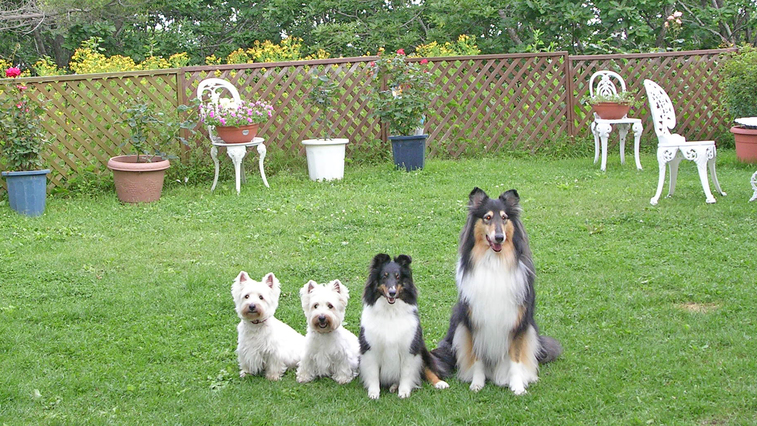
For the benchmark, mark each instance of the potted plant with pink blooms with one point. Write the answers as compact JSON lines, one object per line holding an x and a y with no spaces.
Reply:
{"x":22,"y":139}
{"x":236,"y":122}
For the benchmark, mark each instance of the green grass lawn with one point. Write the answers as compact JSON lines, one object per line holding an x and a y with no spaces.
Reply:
{"x":118,"y":314}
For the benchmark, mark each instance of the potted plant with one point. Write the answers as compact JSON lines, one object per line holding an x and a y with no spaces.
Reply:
{"x":235,"y":122}
{"x":22,"y":141}
{"x":325,"y":155}
{"x":739,"y":81}
{"x":401,"y":93}
{"x":612,"y":106}
{"x":139,"y":177}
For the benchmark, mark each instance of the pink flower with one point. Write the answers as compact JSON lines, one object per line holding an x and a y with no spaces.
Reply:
{"x":372,"y":64}
{"x":401,"y":52}
{"x":424,"y":61}
{"x":12,"y":72}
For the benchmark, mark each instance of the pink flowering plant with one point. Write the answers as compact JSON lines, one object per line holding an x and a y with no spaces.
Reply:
{"x":228,"y":114}
{"x":401,"y":92}
{"x":21,"y":133}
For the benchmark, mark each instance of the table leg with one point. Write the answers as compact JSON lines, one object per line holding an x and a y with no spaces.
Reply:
{"x":262,"y":152}
{"x":237,"y":153}
{"x":214,"y":155}
{"x":604,"y":129}
{"x":623,"y":132}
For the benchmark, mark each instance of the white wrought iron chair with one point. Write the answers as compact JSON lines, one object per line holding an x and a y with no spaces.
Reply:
{"x":753,"y":181}
{"x":670,"y":145}
{"x":216,"y":91}
{"x":601,"y":83}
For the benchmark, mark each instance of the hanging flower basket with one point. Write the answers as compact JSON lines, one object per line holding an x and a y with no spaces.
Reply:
{"x":241,"y":134}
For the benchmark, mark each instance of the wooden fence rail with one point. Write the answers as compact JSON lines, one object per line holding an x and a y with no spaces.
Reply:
{"x":486,"y":102}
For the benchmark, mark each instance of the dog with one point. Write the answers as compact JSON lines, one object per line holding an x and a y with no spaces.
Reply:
{"x":264,"y":343}
{"x":330,"y":349}
{"x":492,"y":332}
{"x":392,"y":351}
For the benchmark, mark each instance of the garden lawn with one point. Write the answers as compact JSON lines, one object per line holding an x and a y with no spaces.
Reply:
{"x":120,"y":314}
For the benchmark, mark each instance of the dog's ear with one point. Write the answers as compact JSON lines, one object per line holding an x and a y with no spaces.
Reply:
{"x":403,"y":260}
{"x":340,"y":288}
{"x":511,"y":200}
{"x":379,"y":260}
{"x":236,"y":287}
{"x":306,"y":290}
{"x":270,"y":280}
{"x":476,"y":197}
{"x":242,"y":277}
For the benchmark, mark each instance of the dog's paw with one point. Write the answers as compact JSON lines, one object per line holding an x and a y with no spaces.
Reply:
{"x":242,"y":374}
{"x":518,"y":389}
{"x":393,"y":388}
{"x":475,"y":387}
{"x":304,"y":378}
{"x":274,"y":377}
{"x":342,"y":380}
{"x":404,"y":392}
{"x":373,"y":393}
{"x":441,"y":384}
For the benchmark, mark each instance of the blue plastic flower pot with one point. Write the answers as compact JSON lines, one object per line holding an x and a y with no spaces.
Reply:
{"x":27,"y":191}
{"x":409,"y":151}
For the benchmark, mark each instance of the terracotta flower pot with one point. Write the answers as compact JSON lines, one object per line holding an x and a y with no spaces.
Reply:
{"x":240,"y":134}
{"x":746,"y":144}
{"x":138,"y":182}
{"x":610,"y":110}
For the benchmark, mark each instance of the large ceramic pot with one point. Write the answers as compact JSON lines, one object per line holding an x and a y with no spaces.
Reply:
{"x":241,"y":134}
{"x":325,"y":158}
{"x":611,"y":110}
{"x":138,"y":182}
{"x":746,"y":143}
{"x":27,"y":191}
{"x":409,"y":152}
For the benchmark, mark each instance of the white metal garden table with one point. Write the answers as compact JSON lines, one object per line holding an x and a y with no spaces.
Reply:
{"x":237,"y":152}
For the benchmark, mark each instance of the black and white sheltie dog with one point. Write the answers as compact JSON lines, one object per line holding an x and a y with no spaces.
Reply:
{"x":492,"y":333}
{"x":392,"y":351}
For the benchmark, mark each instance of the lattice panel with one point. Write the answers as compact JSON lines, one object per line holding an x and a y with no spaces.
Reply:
{"x":485,"y":103}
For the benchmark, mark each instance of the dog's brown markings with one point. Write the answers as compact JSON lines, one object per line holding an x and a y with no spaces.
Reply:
{"x":520,"y":347}
{"x":431,"y":376}
{"x":467,"y":358}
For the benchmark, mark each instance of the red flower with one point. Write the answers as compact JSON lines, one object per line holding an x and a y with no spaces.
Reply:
{"x":372,"y":64}
{"x":401,"y":52}
{"x":12,"y":72}
{"x":424,"y":61}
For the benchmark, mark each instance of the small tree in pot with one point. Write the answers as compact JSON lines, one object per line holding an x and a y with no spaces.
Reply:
{"x":325,"y":155}
{"x":139,"y":177}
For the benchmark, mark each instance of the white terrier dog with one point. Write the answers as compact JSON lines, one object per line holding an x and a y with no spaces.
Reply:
{"x":264,"y":343}
{"x":330,"y":349}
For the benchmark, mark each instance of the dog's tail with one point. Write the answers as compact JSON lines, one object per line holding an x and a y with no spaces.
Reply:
{"x":434,"y":369}
{"x":444,"y":356}
{"x":549,"y":351}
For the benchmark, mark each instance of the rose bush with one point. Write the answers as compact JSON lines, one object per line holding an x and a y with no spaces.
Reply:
{"x":22,"y":136}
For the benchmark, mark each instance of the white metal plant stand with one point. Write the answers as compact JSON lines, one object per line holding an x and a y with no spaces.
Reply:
{"x":670,"y":145}
{"x":754,"y":186}
{"x":212,"y":90}
{"x":601,"y":83}
{"x":237,"y":152}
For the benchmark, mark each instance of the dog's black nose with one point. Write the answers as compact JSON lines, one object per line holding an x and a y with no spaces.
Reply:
{"x":252,"y":308}
{"x":321,"y":318}
{"x":498,"y":238}
{"x":392,"y":292}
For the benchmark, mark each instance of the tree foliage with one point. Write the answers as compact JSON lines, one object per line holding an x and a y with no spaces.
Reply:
{"x":141,"y":29}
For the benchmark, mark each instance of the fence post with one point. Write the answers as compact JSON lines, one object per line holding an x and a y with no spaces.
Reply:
{"x":569,"y":96}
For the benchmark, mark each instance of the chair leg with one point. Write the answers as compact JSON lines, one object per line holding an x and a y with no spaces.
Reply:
{"x":214,"y":155}
{"x":662,"y":163}
{"x":673,"y":164}
{"x":604,"y":129}
{"x":714,"y":175}
{"x":702,"y":161}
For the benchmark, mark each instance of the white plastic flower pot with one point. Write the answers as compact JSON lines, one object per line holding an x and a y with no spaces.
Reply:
{"x":325,"y":158}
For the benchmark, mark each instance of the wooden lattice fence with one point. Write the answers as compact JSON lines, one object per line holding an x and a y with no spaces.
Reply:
{"x":485,"y":103}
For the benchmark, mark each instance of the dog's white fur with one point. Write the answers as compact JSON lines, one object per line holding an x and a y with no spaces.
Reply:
{"x":264,"y":343}
{"x":389,"y":329}
{"x":330,"y":349}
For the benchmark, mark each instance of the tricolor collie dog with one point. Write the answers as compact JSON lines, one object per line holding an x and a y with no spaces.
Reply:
{"x":392,"y":350}
{"x":492,"y":333}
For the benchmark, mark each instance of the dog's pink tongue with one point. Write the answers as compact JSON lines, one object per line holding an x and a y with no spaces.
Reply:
{"x":496,"y":247}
